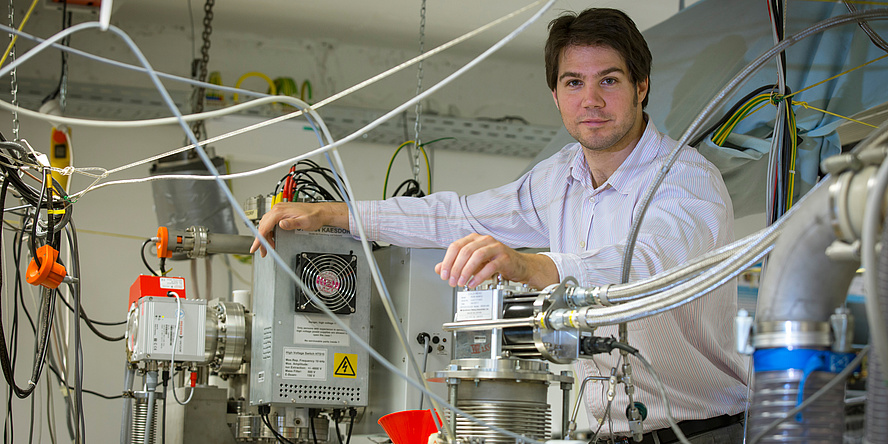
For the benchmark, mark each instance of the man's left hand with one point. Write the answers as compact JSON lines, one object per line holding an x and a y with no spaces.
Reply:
{"x":474,"y":258}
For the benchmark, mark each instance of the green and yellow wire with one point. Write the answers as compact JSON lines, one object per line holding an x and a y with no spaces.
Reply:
{"x":421,"y":149}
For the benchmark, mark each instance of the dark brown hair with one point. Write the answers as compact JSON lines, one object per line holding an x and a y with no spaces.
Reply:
{"x":599,"y":27}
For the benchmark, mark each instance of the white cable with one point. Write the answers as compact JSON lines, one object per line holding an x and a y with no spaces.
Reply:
{"x":202,"y":154}
{"x":739,"y":78}
{"x":672,"y":424}
{"x":105,"y":15}
{"x":278,"y":260}
{"x":180,"y":316}
{"x":206,"y":115}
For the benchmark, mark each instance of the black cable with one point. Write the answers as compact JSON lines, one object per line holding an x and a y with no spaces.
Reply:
{"x":74,"y":287}
{"x":301,"y":175}
{"x":40,"y":356}
{"x":145,"y":261}
{"x":352,"y":412}
{"x":88,"y":319}
{"x":31,"y":423}
{"x":277,"y":435}
{"x":336,"y":414}
{"x":165,"y":376}
{"x":731,"y":112}
{"x":412,"y":189}
{"x":89,"y":323}
{"x":32,"y":241}
{"x":311,"y":425}
{"x":58,"y":376}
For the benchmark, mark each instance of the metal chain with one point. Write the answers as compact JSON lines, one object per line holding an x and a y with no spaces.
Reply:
{"x":63,"y":82}
{"x":417,"y":125}
{"x":13,"y":79}
{"x":199,"y":94}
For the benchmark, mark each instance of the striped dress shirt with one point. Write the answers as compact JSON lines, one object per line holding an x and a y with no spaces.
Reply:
{"x":555,"y":205}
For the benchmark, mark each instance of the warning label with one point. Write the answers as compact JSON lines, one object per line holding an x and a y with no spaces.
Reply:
{"x":305,"y":363}
{"x":318,"y":330}
{"x":344,"y":365}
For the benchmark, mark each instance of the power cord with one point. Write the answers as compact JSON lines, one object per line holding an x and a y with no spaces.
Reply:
{"x":264,"y":410}
{"x":179,"y":314}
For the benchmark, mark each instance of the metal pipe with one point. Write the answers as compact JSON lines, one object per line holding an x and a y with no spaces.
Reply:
{"x":565,"y":405}
{"x":453,"y":387}
{"x":801,"y":289}
{"x":802,"y":283}
{"x":218,"y":243}
{"x":128,"y":377}
{"x":487,"y":324}
{"x":150,"y":387}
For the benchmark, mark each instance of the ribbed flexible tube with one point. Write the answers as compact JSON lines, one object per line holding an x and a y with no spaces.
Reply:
{"x":876,"y":392}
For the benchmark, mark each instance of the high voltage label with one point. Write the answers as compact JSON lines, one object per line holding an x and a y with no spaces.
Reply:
{"x":344,"y":365}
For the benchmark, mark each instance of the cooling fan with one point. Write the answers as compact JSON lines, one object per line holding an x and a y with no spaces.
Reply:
{"x":331,"y":277}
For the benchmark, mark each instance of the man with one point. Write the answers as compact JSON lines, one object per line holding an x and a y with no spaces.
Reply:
{"x":580,"y":203}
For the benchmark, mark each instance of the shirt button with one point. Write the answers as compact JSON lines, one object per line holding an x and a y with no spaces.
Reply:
{"x":582,"y":244}
{"x":592,"y":199}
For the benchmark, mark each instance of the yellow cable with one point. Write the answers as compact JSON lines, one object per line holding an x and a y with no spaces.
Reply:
{"x":104,"y":233}
{"x":835,"y":76}
{"x":807,"y":106}
{"x":15,"y":37}
{"x":720,"y":135}
{"x":271,"y":88}
{"x":392,"y":161}
{"x":794,"y":147}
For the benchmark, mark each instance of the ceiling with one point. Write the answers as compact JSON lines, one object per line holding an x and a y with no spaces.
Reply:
{"x":386,"y":23}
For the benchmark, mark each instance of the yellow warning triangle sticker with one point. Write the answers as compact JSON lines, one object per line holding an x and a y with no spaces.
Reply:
{"x":344,"y":365}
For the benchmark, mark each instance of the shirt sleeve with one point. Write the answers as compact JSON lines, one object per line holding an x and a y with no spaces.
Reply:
{"x":690,"y":214}
{"x":514,"y":214}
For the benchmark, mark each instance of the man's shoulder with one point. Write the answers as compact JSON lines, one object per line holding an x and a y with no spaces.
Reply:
{"x":688,"y":156}
{"x":562,"y":159}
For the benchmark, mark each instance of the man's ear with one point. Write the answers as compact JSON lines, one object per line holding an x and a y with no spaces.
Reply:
{"x":555,"y":97}
{"x":642,"y":89}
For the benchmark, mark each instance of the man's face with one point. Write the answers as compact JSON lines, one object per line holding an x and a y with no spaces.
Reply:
{"x":599,"y":103}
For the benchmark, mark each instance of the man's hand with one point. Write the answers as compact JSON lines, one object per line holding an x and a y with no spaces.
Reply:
{"x":474,"y":258}
{"x":300,"y":216}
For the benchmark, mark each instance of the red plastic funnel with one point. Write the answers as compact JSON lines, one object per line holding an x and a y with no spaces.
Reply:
{"x":409,"y":426}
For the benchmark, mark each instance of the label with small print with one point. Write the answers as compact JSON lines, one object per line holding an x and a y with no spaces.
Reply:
{"x":172,"y":283}
{"x":305,"y":363}
{"x":473,"y":305}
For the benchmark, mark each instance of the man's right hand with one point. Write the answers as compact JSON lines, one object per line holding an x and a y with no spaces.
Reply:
{"x":300,"y":216}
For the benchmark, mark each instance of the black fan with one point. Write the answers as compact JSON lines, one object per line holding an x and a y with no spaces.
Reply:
{"x":331,"y":277}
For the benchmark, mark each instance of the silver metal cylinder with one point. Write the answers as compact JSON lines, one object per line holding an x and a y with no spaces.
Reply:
{"x":140,"y":417}
{"x":506,"y":393}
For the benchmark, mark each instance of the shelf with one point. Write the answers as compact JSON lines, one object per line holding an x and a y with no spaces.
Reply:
{"x":506,"y":138}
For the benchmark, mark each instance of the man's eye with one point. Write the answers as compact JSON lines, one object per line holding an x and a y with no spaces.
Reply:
{"x":574,"y":82}
{"x":609,"y":81}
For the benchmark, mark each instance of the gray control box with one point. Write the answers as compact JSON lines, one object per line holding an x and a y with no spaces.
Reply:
{"x":300,"y":356}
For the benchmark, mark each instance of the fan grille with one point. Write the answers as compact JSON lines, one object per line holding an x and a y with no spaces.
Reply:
{"x":331,"y":277}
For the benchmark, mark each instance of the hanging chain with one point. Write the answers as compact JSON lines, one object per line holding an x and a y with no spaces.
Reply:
{"x":13,"y":80}
{"x":63,"y":82}
{"x":417,"y":125}
{"x":199,"y":70}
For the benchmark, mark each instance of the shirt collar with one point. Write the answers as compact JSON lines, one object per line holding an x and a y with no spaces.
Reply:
{"x":623,"y":178}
